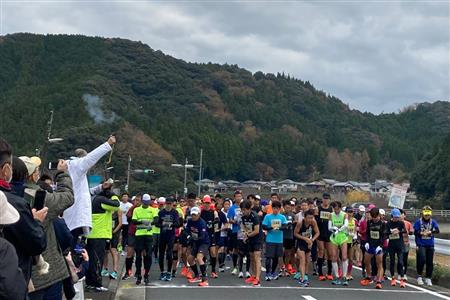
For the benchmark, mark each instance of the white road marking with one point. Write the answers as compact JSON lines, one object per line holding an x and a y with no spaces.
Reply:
{"x":270,"y":288}
{"x":419,"y":288}
{"x":309,"y":297}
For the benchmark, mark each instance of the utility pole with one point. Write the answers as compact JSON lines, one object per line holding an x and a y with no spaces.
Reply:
{"x":185,"y":178}
{"x":128,"y":173}
{"x":200,"y":173}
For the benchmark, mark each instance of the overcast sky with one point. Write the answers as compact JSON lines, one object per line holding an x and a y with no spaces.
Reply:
{"x":377,"y":56}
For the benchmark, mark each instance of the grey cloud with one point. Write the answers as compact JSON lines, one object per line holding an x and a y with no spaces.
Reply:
{"x":374,"y":56}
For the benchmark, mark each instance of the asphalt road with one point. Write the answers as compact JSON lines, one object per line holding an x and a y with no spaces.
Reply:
{"x":230,"y":287}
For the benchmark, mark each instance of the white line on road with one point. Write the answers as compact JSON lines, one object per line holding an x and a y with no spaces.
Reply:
{"x":309,"y":297}
{"x":270,"y":287}
{"x":419,"y":288}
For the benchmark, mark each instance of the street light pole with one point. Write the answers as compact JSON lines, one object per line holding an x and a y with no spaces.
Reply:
{"x":185,"y":178}
{"x":128,"y":173}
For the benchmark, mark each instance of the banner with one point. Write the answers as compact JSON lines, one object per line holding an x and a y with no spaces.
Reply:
{"x":398,"y":195}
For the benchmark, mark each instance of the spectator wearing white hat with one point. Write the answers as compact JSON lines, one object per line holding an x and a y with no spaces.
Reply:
{"x":12,"y":281}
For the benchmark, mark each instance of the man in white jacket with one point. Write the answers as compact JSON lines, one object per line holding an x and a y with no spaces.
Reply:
{"x":79,"y":216}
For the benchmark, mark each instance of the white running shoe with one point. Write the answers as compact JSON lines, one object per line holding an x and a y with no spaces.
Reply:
{"x":241,"y":275}
{"x":419,"y":281}
{"x":428,"y":282}
{"x":263,"y":269}
{"x":234,"y":272}
{"x":101,"y":289}
{"x":247,"y":274}
{"x":123,"y":253}
{"x":405,"y":278}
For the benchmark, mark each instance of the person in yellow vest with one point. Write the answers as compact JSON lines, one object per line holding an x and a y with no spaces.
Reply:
{"x":338,"y":225}
{"x":352,"y":239}
{"x":103,"y":205}
{"x":145,"y":217}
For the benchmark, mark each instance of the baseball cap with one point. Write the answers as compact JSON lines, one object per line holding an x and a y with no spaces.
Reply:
{"x":395,"y":213}
{"x":369,"y":208}
{"x":195,"y":210}
{"x":207,"y":199}
{"x":326,"y":196}
{"x":146,"y":199}
{"x":382,"y":212}
{"x":8,"y":214}
{"x":30,"y":164}
{"x":161,"y":200}
{"x":362,"y":208}
{"x":258,"y":197}
{"x":170,"y":200}
{"x":349,"y":209}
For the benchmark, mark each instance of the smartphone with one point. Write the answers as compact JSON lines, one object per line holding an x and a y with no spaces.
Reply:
{"x":53,"y":165}
{"x":39,"y":200}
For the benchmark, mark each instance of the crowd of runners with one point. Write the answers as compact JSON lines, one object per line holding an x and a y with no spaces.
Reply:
{"x":305,"y":239}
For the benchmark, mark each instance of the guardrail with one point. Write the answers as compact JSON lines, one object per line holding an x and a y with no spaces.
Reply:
{"x":417,"y":212}
{"x":440,"y":246}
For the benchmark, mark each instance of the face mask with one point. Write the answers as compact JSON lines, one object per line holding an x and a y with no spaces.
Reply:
{"x":10,"y":178}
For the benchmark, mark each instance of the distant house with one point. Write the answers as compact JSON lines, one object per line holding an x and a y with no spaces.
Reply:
{"x":220,"y":187}
{"x":232,"y":184}
{"x":252,"y":184}
{"x":288,"y":185}
{"x":329,"y":182}
{"x":381,"y":186}
{"x":207,"y":183}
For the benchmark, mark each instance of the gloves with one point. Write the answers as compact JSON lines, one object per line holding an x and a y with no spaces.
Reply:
{"x":367,"y":246}
{"x":334,"y":229}
{"x":378,"y":250}
{"x":188,"y":238}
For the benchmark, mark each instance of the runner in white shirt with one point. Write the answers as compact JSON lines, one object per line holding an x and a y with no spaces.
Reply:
{"x":124,"y":207}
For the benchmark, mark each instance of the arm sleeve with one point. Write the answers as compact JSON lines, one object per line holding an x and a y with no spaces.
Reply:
{"x":61,"y":199}
{"x":345,"y":226}
{"x":330,"y":225}
{"x":96,"y":190}
{"x":110,"y":204}
{"x":87,"y":162}
{"x":435,"y":229}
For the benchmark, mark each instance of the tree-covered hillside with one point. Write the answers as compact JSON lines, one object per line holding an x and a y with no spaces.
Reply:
{"x":259,"y":126}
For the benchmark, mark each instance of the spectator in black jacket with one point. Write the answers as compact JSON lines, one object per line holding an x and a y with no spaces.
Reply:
{"x":12,"y":282}
{"x":27,"y":235}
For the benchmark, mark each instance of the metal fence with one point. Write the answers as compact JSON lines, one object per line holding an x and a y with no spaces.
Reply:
{"x":417,"y":212}
{"x":440,"y":246}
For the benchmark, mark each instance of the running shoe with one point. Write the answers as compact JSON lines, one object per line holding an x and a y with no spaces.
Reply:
{"x":195,"y":280}
{"x":365,"y":282}
{"x":184,"y":271}
{"x":247,"y":274}
{"x":256,"y":282}
{"x":297,"y":275}
{"x":221,"y":270}
{"x":268,"y":277}
{"x":105,"y":273}
{"x":263,"y":269}
{"x":402,"y":283}
{"x":322,"y":278}
{"x":203,"y":283}
{"x":125,"y":277}
{"x":330,"y":277}
{"x":162,"y":277}
{"x":189,"y":275}
{"x":214,"y":275}
{"x":146,"y":280}
{"x":241,"y":275}
{"x":344,"y":282}
{"x":428,"y":282}
{"x":419,"y":281}
{"x":405,"y":278}
{"x":234,"y":272}
{"x":349,"y":277}
{"x":113,"y":275}
{"x":393,"y":282}
{"x":168,"y":277}
{"x":336,"y":281}
{"x":378,"y":286}
{"x":250,"y":279}
{"x":138,"y":280}
{"x":101,"y":289}
{"x":275,"y":276}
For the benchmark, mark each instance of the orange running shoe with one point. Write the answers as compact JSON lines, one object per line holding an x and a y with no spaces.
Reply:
{"x":214,"y":275}
{"x":365,"y":282}
{"x":402,"y":283}
{"x":330,"y":277}
{"x":184,"y":271}
{"x":256,"y":282}
{"x":189,"y":275}
{"x":322,"y":278}
{"x":378,"y":286}
{"x":204,"y":283}
{"x":195,"y":280}
{"x":250,"y":279}
{"x":393,"y":282}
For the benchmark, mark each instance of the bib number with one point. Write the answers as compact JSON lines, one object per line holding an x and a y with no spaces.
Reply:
{"x":375,"y":235}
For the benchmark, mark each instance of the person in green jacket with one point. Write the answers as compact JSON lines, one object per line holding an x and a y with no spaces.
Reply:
{"x":145,"y":217}
{"x":103,"y":205}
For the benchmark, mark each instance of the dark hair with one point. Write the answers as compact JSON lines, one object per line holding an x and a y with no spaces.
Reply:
{"x":123,"y":194}
{"x":45,"y":177}
{"x":402,"y":211}
{"x":326,"y":196}
{"x":336,"y":204}
{"x":247,"y":204}
{"x":20,"y":171}
{"x":273,"y":194}
{"x":218,"y":196}
{"x":138,"y":195}
{"x":276,"y":204}
{"x":251,"y":196}
{"x":5,"y":152}
{"x":310,"y":212}
{"x":374,"y":212}
{"x":286,"y":202}
{"x":45,"y":186}
{"x":227,"y":200}
{"x":310,"y":201}
{"x":191,"y":196}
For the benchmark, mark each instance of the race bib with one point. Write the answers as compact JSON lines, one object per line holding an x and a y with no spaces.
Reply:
{"x":375,"y":235}
{"x":276,"y":224}
{"x":194,"y":235}
{"x":325,"y":215}
{"x":426,"y":237}
{"x":224,"y":233}
{"x":167,"y":224}
{"x":249,"y":228}
{"x":394,"y":236}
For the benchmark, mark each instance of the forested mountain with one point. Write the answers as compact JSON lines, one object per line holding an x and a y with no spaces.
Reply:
{"x":251,"y":126}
